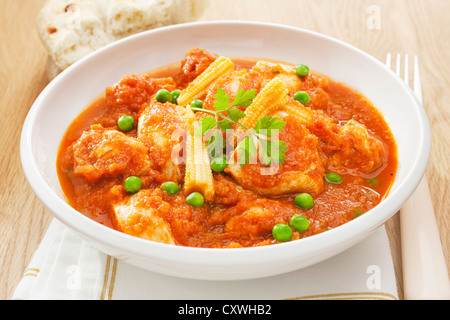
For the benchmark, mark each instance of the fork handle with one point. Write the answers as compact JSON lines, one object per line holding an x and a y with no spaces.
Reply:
{"x":425,"y":275}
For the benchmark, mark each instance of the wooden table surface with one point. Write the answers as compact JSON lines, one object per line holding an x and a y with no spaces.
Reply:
{"x":375,"y":26}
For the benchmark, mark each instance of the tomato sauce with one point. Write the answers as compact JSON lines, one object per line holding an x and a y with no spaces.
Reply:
{"x":237,"y":217}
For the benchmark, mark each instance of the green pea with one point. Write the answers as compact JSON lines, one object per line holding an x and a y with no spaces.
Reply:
{"x":304,"y":201}
{"x":219,"y":164}
{"x":299,"y":222}
{"x":132,"y":184}
{"x":197,"y":104}
{"x":334,"y":178}
{"x":125,"y":123}
{"x":373,"y":182}
{"x":302,"y":70}
{"x":170,"y":187}
{"x":195,"y":199}
{"x":282,"y":232}
{"x":302,"y":97}
{"x":163,"y":96}
{"x":357,"y":212}
{"x":175,"y":95}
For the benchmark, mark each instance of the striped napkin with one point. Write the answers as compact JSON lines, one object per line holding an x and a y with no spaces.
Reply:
{"x":66,"y":267}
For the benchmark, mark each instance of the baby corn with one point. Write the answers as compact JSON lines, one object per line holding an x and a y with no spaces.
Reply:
{"x":197,"y":88}
{"x":198,"y":176}
{"x":302,"y":114}
{"x":271,"y":98}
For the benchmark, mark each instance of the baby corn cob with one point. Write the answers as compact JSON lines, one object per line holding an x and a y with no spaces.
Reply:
{"x":198,"y":87}
{"x":302,"y":114}
{"x":271,"y":98}
{"x":198,"y":176}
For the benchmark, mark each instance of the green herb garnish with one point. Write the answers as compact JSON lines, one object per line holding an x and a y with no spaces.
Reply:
{"x":263,"y":137}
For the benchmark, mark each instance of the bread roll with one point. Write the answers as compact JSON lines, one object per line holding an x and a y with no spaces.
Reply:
{"x":71,"y":29}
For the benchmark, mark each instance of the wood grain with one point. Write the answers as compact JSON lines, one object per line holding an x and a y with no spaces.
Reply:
{"x":403,"y":26}
{"x":23,"y":219}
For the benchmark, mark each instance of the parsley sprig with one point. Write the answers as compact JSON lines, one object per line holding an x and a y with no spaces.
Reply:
{"x":264,"y":135}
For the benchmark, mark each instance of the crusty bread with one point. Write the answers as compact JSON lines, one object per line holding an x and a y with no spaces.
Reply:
{"x":71,"y":29}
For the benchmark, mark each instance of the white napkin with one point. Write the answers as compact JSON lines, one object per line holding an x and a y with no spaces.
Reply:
{"x":65,"y":267}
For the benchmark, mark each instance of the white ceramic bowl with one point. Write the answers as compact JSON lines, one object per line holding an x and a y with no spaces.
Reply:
{"x":66,"y":96}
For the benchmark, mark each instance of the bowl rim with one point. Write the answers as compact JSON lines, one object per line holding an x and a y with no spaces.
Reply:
{"x":215,"y":256}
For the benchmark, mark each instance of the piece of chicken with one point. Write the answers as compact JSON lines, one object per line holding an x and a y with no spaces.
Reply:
{"x":138,"y":215}
{"x":358,"y":149}
{"x":103,"y":152}
{"x":161,"y":128}
{"x":302,"y":170}
{"x":286,"y":73}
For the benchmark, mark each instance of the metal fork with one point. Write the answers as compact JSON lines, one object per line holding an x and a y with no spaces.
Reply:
{"x":424,"y":268}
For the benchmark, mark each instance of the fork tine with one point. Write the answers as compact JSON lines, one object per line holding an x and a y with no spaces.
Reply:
{"x":388,"y":60}
{"x":406,"y":71}
{"x":417,"y":80}
{"x":397,"y":68}
{"x":406,"y":76}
